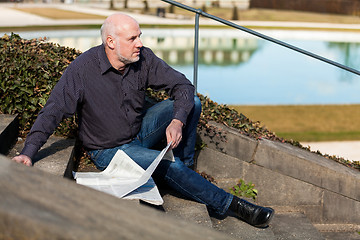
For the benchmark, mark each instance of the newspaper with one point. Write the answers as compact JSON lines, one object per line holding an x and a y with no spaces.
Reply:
{"x":124,"y":178}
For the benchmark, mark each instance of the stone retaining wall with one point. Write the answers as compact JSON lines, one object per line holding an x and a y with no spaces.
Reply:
{"x":286,"y":176}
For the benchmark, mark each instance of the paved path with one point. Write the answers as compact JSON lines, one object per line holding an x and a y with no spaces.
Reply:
{"x":349,"y":150}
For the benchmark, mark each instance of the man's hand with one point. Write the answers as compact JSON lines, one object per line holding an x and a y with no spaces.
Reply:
{"x":23,"y":159}
{"x":174,"y":133}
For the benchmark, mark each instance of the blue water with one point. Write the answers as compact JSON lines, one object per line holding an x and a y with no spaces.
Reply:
{"x":275,"y":75}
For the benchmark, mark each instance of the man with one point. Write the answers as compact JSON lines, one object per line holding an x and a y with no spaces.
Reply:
{"x":106,"y":87}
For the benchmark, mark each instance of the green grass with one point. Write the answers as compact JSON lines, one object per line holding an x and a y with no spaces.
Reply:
{"x":308,"y":122}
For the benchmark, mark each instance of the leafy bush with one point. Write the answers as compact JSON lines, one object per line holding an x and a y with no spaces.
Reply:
{"x":29,"y":69}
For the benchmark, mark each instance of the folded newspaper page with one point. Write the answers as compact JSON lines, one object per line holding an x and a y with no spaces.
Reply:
{"x":124,"y":178}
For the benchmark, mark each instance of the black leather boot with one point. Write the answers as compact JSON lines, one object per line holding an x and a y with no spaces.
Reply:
{"x":256,"y":216}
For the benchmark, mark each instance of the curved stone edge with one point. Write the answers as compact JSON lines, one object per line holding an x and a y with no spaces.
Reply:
{"x":38,"y":205}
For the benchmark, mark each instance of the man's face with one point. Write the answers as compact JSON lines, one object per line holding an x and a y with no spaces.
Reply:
{"x":128,"y":44}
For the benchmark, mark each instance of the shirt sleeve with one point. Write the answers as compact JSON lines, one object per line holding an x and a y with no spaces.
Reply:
{"x":163,"y":77}
{"x":62,"y":103}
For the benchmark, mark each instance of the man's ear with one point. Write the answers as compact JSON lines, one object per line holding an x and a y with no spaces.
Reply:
{"x":110,"y":42}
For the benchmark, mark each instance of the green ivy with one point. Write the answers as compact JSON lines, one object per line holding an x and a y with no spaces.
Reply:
{"x":29,"y":69}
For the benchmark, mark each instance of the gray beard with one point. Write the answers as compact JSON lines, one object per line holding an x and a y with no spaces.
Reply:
{"x":127,"y":61}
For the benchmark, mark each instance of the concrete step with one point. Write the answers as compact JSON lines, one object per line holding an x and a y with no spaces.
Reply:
{"x":339,"y":231}
{"x":38,"y":205}
{"x":285,"y":226}
{"x":291,"y":226}
{"x":53,"y":157}
{"x":238,"y":229}
{"x":180,"y":207}
{"x":9,"y":131}
{"x":341,"y":235}
{"x":185,"y":209}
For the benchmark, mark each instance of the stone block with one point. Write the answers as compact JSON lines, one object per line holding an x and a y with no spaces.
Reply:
{"x":274,"y":188}
{"x":54,"y":156}
{"x":219,"y":165}
{"x":308,"y":167}
{"x":294,"y":226}
{"x":38,"y":205}
{"x":241,"y":230}
{"x":290,"y":177}
{"x":186,"y":209}
{"x":340,"y":209}
{"x":277,"y":189}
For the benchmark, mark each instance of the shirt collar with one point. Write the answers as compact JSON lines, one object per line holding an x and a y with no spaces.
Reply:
{"x":105,"y":64}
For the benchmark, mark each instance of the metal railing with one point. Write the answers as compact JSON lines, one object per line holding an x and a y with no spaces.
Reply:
{"x":199,"y":12}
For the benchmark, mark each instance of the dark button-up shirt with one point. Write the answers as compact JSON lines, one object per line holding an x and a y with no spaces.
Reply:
{"x":109,"y":104}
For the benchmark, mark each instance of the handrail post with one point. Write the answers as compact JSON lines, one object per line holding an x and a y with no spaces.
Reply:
{"x":196,"y":50}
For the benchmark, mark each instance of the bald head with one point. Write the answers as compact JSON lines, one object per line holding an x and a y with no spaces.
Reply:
{"x":120,"y":35}
{"x":115,"y":24}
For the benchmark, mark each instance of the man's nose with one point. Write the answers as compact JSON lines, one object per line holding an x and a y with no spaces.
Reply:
{"x":139,"y":43}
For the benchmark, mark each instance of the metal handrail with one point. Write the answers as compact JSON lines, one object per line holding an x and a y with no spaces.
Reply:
{"x":231,"y":24}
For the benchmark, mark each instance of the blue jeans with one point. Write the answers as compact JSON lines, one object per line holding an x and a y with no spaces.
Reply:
{"x":176,"y":174}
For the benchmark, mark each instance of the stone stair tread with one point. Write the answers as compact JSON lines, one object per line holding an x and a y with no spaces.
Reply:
{"x":238,"y":229}
{"x":53,"y":157}
{"x":180,"y":207}
{"x":341,"y":235}
{"x":294,"y":225}
{"x":38,"y":205}
{"x":339,"y":231}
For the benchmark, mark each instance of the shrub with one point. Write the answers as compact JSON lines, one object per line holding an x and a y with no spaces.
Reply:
{"x":29,"y":69}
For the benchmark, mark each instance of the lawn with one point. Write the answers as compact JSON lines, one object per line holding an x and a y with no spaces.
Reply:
{"x":57,"y":14}
{"x":308,"y":122}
